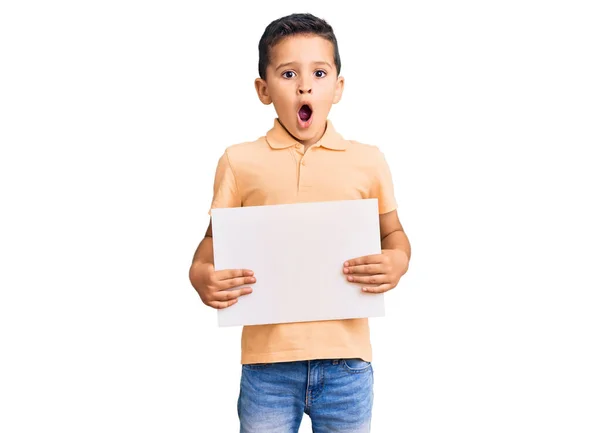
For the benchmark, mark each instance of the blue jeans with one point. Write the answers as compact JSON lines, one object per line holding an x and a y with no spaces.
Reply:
{"x":337,"y":395}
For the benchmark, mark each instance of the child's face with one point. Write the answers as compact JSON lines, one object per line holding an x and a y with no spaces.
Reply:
{"x":302,"y":72}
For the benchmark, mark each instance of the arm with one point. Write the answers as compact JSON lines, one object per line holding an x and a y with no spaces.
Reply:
{"x":387,"y":268}
{"x":204,"y":252}
{"x":393,"y":238}
{"x":215,"y":287}
{"x":212,"y":286}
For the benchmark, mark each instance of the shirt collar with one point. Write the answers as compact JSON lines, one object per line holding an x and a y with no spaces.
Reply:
{"x":279,"y":138}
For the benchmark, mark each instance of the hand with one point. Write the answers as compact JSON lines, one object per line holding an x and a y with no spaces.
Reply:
{"x":213,"y":286}
{"x":383,"y":269}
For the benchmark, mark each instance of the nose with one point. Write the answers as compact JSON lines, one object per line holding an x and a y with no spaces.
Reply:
{"x":304,"y":88}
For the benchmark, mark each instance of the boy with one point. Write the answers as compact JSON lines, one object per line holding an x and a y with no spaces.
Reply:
{"x":319,"y":368}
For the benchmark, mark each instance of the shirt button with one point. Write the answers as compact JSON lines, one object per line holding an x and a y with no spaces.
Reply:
{"x":303,"y":162}
{"x":297,"y":146}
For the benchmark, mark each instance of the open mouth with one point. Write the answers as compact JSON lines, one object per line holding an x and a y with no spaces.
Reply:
{"x":305,"y":115}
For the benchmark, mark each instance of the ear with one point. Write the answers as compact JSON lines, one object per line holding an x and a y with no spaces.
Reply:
{"x":339,"y":89}
{"x":262,"y":91}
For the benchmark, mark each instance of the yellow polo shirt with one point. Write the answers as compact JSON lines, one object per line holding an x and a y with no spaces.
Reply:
{"x":275,"y":169}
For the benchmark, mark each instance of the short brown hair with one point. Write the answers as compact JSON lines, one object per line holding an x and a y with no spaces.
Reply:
{"x":294,"y":24}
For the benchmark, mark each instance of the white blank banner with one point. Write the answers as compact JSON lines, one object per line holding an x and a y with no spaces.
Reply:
{"x":297,"y":252}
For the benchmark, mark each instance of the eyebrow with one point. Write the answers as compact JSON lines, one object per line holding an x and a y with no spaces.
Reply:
{"x":293,"y":63}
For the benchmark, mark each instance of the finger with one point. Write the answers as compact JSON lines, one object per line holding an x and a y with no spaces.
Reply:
{"x":227,"y":295}
{"x":365,"y":260}
{"x":378,"y":289}
{"x":220,"y":305}
{"x":369,"y":279}
{"x":364,"y":269}
{"x":233,"y":273}
{"x":235,"y":282}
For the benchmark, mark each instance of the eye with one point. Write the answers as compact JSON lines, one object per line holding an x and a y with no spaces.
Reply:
{"x":323,"y":73}
{"x":286,"y":74}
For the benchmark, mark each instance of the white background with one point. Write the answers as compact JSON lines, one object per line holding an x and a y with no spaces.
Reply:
{"x":113,"y":115}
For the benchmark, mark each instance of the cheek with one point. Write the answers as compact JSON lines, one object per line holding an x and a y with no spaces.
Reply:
{"x":326,"y":94}
{"x":277,"y":101}
{"x":281,"y":93}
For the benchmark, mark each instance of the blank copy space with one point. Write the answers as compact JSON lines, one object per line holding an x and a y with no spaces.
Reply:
{"x":297,"y":253}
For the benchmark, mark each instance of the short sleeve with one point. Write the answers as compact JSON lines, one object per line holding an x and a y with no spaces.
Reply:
{"x":382,"y":187}
{"x":225,"y":189}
